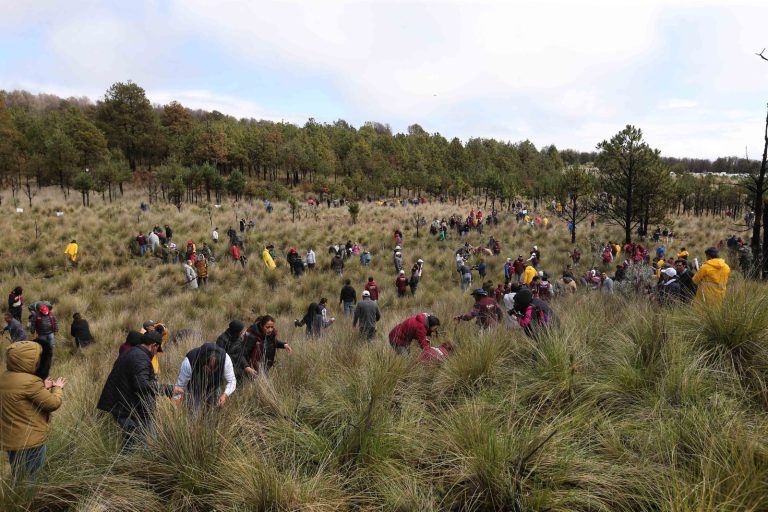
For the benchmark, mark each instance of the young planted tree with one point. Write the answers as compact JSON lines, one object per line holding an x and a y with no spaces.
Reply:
{"x":575,"y":189}
{"x":354,"y":211}
{"x":236,"y":184}
{"x":84,"y":183}
{"x":294,"y":205}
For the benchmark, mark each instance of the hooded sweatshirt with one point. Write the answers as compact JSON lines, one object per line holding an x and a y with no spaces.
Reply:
{"x":25,"y":404}
{"x":712,"y":279}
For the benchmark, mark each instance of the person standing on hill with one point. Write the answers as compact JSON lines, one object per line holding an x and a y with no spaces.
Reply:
{"x":519,"y":268}
{"x":311,"y":259}
{"x":398,"y":261}
{"x":712,"y":278}
{"x":529,"y":273}
{"x":71,"y":252}
{"x":16,"y":302}
{"x":348,"y":297}
{"x":153,"y":240}
{"x":372,"y":288}
{"x":416,"y":272}
{"x":401,"y":283}
{"x":80,"y":331}
{"x":26,"y":403}
{"x":168,"y":233}
{"x":366,"y":315}
{"x":201,"y":268}
{"x":337,"y":264}
{"x":190,"y":276}
{"x":142,"y":241}
{"x":131,"y":389}
{"x":44,"y":326}
{"x":215,"y":235}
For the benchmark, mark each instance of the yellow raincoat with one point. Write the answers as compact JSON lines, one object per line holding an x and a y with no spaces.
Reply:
{"x":268,"y":261}
{"x":71,"y":251}
{"x":712,"y":279}
{"x":529,"y":274}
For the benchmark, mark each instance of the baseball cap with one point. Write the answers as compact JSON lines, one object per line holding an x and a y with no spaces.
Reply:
{"x":366,"y":293}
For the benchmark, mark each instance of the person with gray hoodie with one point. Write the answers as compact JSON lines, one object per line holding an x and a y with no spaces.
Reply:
{"x":366,"y":315}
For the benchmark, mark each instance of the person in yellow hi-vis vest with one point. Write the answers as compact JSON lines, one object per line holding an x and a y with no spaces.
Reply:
{"x":268,"y":261}
{"x":712,"y":278}
{"x":71,"y":252}
{"x":151,"y":325}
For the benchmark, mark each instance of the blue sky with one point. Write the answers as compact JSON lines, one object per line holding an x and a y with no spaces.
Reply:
{"x":555,"y":72}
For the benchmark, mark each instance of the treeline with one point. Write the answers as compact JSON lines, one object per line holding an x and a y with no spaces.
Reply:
{"x":181,"y":155}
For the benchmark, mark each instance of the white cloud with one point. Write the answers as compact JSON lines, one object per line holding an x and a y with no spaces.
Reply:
{"x":231,"y":105}
{"x":678,"y":103}
{"x":569,"y":73}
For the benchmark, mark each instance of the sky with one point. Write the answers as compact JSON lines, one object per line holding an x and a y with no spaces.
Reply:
{"x":569,"y":73}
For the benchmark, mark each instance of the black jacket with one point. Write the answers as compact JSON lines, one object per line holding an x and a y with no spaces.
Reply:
{"x":260,"y":349}
{"x":46,"y":359}
{"x":131,"y":387}
{"x":235,"y":347}
{"x":687,"y":286}
{"x":347,"y":294}
{"x":81,"y":331}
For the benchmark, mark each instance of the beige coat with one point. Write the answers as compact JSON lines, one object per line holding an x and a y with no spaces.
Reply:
{"x":25,"y":404}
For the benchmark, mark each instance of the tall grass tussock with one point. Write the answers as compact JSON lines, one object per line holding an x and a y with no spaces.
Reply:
{"x":626,"y":407}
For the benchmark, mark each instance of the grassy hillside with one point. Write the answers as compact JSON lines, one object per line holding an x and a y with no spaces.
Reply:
{"x":631,"y":407}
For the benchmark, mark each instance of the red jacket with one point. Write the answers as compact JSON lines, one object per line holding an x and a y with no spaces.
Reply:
{"x":434,"y":354}
{"x":401,"y":283}
{"x":372,"y":288}
{"x":414,"y":328}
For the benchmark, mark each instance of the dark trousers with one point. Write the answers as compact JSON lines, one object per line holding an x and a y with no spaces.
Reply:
{"x":134,"y":431}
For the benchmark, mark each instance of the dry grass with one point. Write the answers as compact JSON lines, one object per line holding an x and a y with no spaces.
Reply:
{"x":651,"y":410}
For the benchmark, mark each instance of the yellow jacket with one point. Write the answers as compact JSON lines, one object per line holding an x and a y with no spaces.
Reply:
{"x":268,"y":261}
{"x":155,"y":359}
{"x":712,"y":279}
{"x":682,"y":255}
{"x":71,"y":251}
{"x":529,"y":274}
{"x":25,"y":404}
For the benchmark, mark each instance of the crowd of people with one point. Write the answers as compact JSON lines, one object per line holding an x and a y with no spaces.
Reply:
{"x":210,"y":373}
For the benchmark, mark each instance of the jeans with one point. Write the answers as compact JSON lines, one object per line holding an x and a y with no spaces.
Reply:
{"x":142,"y":250}
{"x":349,"y":308}
{"x":27,"y":462}
{"x":48,"y":338}
{"x":466,"y":281}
